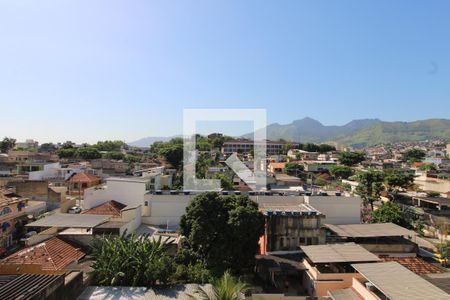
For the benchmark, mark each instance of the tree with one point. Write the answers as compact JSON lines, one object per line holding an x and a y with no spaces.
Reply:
{"x":109,"y":145}
{"x":389,"y":212}
{"x":225,"y":181}
{"x":224,"y":288}
{"x":47,"y":147}
{"x":68,"y":144}
{"x":7,"y":144}
{"x":427,"y":167}
{"x":433,"y":194}
{"x":414,"y":155}
{"x":323,"y":148}
{"x":115,"y":155}
{"x":67,"y":152}
{"x":370,"y":185}
{"x":130,"y":261}
{"x":310,"y":147}
{"x":351,"y":158}
{"x":88,"y":153}
{"x":442,"y":253}
{"x":222,"y":231}
{"x":294,"y":169}
{"x":396,"y":179}
{"x":172,"y":151}
{"x":342,"y":172}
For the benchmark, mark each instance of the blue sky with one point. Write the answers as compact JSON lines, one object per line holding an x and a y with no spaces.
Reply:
{"x":88,"y":70}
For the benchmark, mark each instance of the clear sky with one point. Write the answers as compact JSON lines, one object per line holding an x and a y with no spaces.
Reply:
{"x":85,"y":70}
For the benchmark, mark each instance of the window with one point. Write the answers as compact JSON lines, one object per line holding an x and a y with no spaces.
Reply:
{"x":145,"y":203}
{"x":5,"y":211}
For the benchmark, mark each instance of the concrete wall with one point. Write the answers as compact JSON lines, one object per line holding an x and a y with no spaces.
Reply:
{"x":127,"y":192}
{"x":134,"y":219}
{"x":286,"y":233}
{"x":337,"y":209}
{"x":49,"y":171}
{"x":166,"y":208}
{"x":35,"y":190}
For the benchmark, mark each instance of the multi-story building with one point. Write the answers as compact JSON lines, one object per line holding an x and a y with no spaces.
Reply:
{"x":246,"y":146}
{"x":328,"y":267}
{"x":12,"y":209}
{"x":288,"y":226}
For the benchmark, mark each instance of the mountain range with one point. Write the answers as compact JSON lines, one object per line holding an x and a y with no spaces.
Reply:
{"x":363,"y":132}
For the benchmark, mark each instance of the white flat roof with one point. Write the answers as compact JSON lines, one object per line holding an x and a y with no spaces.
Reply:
{"x":398,"y":283}
{"x":70,"y":220}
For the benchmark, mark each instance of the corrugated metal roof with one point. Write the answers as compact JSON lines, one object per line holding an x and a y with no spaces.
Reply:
{"x":70,"y":220}
{"x":398,"y":283}
{"x":369,"y":230}
{"x":332,"y":253}
{"x":27,"y":286}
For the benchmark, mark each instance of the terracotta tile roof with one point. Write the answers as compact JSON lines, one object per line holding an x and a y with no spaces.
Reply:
{"x":110,"y":208}
{"x":83,"y":177}
{"x":277,"y":165}
{"x":53,"y":254}
{"x":415,"y":264}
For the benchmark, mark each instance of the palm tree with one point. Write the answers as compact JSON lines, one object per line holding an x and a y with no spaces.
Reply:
{"x":224,"y":288}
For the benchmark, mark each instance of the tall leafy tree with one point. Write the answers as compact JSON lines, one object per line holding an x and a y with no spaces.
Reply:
{"x":172,"y":151}
{"x":396,"y":179}
{"x":88,"y":153}
{"x":351,"y":158}
{"x":294,"y":169}
{"x":389,"y":212}
{"x":223,"y":231}
{"x":370,"y":185}
{"x":342,"y":172}
{"x":414,"y":155}
{"x":7,"y":144}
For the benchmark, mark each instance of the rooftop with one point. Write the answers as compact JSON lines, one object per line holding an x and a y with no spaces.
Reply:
{"x":336,"y":253}
{"x":83,"y":177}
{"x":110,"y":208}
{"x":53,"y":254}
{"x":169,"y":292}
{"x":369,"y":230}
{"x":69,"y":220}
{"x":26,"y":286}
{"x":343,"y":294}
{"x":398,"y":283}
{"x":415,"y":264}
{"x":436,"y":200}
{"x":7,"y":197}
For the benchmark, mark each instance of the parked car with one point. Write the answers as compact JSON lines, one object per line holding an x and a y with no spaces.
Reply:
{"x":74,"y":210}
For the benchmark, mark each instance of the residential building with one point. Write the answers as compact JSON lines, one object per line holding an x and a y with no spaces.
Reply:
{"x":386,"y":239}
{"x":28,"y":144}
{"x":388,"y":280}
{"x":337,"y":209}
{"x":290,"y":224}
{"x":50,"y":255}
{"x":12,"y":212}
{"x":328,"y":267}
{"x":82,"y":181}
{"x":302,"y":154}
{"x":246,"y":146}
{"x":276,"y":167}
